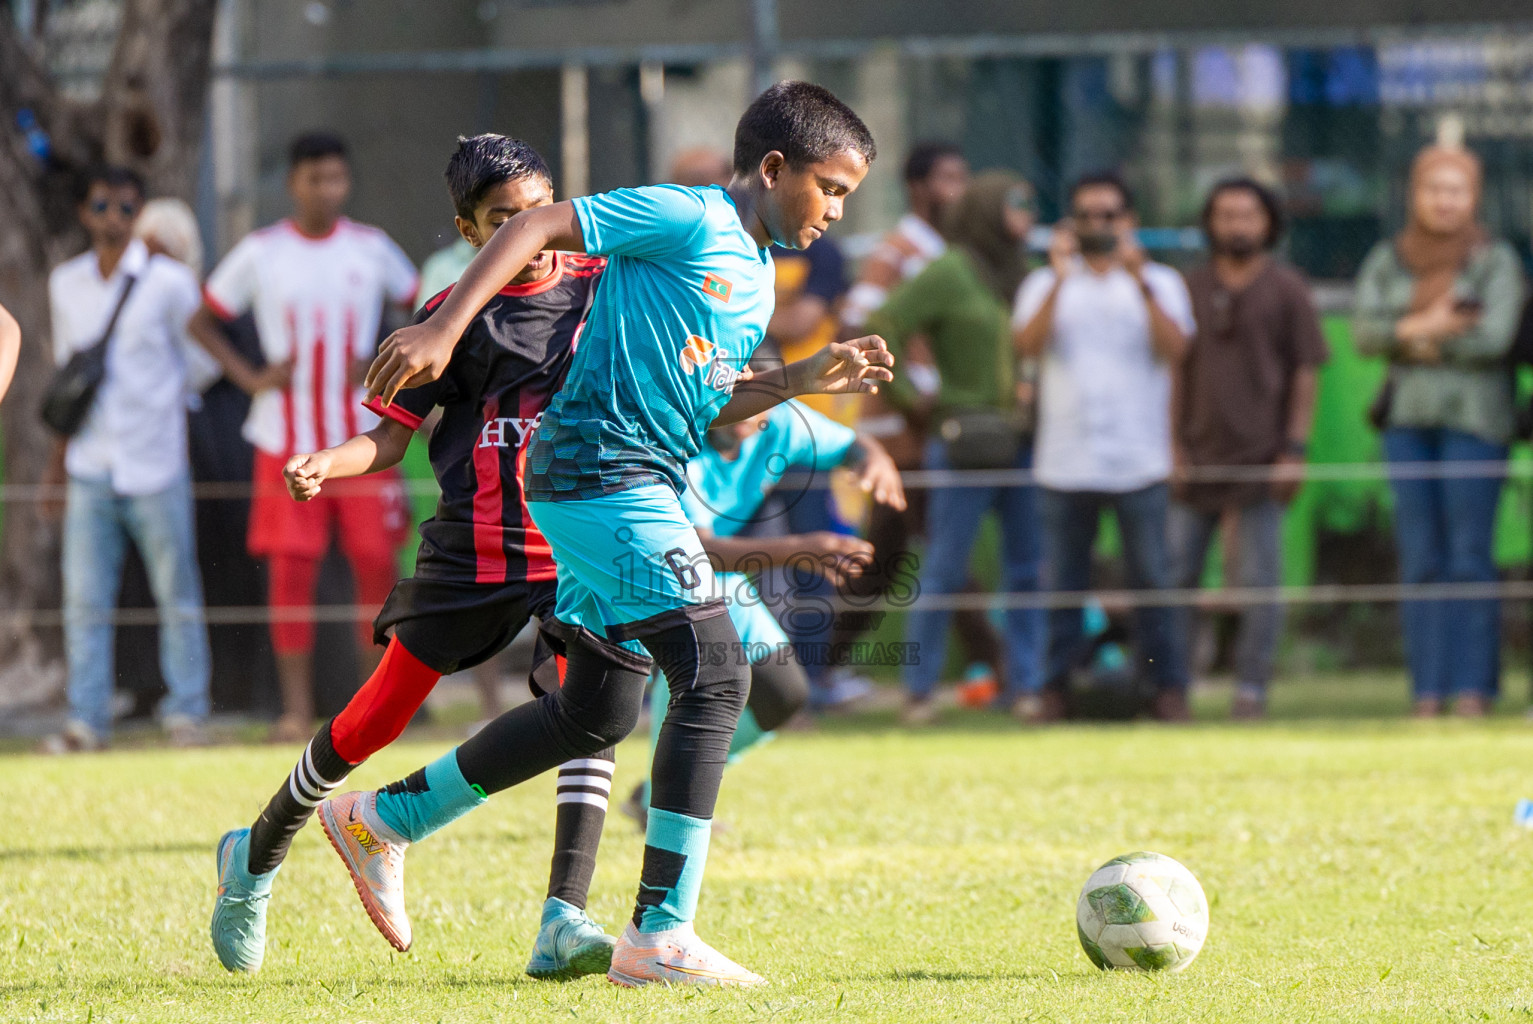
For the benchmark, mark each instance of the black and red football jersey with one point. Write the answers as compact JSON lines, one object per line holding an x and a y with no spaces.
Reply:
{"x":507,"y":367}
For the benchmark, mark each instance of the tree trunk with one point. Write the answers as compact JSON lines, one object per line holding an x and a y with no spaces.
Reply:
{"x":150,"y":118}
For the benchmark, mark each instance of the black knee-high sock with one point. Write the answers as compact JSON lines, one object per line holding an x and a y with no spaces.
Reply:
{"x":597,"y":707}
{"x":584,"y":787}
{"x":313,"y":778}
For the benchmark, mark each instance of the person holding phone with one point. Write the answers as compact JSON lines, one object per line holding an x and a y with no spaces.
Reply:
{"x":1108,"y":326}
{"x":1441,"y":301}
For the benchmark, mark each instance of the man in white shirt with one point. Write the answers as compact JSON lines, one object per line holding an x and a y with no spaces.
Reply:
{"x":318,"y":284}
{"x":1108,"y":325}
{"x":127,"y":467}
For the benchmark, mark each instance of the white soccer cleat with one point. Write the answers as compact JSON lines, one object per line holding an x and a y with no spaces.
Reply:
{"x":675,"y":956}
{"x":375,"y":856}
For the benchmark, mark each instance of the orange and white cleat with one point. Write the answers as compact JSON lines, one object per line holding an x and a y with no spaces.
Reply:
{"x":375,"y":856}
{"x":675,"y":956}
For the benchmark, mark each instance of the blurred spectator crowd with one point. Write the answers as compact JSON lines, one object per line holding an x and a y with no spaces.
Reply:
{"x":1044,"y":378}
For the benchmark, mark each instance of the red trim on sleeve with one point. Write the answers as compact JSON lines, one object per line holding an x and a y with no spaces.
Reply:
{"x":436,"y":300}
{"x":395,"y":412}
{"x":219,"y":309}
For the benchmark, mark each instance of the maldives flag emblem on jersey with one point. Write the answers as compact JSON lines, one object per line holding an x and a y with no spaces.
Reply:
{"x":716,"y":286}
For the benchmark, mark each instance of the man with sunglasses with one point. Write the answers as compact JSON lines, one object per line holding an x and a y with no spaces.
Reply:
{"x":126,"y":468}
{"x":1108,"y":326}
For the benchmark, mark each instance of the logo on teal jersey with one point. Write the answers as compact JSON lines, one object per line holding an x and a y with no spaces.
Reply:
{"x":704,"y":356}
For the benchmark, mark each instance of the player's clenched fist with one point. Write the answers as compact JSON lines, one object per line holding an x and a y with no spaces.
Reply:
{"x":305,"y":473}
{"x":408,"y":358}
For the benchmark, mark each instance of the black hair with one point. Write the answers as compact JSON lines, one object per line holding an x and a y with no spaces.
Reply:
{"x":112,"y":176}
{"x":482,"y":162}
{"x":924,"y":157}
{"x":803,"y":122}
{"x":1276,"y":221}
{"x":1103,"y":179}
{"x":316,"y":146}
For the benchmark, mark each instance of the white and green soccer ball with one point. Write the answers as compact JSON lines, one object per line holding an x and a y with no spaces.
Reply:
{"x":1142,"y":912}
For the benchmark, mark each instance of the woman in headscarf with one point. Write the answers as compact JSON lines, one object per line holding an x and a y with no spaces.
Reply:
{"x":1441,"y":301}
{"x":961,"y":304}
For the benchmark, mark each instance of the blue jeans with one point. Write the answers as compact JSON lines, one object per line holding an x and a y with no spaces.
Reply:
{"x":953,"y":515}
{"x":98,"y":524}
{"x":1444,"y":531}
{"x":1070,"y":521}
{"x":1259,"y":563}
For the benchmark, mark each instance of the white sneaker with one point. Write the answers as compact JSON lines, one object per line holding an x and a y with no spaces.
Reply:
{"x":675,"y":956}
{"x":375,"y":856}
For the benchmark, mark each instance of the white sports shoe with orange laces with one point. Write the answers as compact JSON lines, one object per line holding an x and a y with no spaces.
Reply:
{"x":375,"y":856}
{"x":675,"y":956}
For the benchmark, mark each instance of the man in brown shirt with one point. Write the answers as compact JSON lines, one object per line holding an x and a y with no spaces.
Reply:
{"x":1243,"y":398}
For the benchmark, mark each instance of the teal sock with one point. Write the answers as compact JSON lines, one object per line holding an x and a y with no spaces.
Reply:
{"x":417,"y":806}
{"x":747,"y":734}
{"x":675,"y":853}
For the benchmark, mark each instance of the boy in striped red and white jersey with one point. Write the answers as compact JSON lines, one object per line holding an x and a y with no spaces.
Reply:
{"x":318,"y":285}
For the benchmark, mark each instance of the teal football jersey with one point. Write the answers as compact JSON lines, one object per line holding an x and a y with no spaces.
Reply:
{"x":683,"y":303}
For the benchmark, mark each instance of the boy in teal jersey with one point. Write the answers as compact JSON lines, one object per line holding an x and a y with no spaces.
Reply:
{"x":727,"y":484}
{"x":686,"y":299}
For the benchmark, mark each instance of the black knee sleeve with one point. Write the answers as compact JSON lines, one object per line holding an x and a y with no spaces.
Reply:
{"x":596,"y":707}
{"x":603,"y":692}
{"x":779,"y":689}
{"x":709,"y":680}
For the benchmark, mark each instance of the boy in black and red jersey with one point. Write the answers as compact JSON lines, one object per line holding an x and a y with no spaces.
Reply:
{"x":483,"y":568}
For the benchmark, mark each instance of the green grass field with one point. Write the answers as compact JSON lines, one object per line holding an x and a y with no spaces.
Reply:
{"x":1359,"y":868}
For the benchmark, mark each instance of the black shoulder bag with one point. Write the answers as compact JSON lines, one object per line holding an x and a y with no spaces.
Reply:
{"x":73,"y":388}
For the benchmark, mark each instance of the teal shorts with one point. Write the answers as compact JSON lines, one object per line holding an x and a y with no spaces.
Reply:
{"x":630,"y":563}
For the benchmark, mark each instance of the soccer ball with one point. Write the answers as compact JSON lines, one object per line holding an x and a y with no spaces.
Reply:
{"x":1142,"y":911}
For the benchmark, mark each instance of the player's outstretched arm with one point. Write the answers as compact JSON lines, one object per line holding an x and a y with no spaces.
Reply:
{"x":378,"y":449}
{"x":418,"y":354}
{"x":858,"y":366}
{"x":10,"y":348}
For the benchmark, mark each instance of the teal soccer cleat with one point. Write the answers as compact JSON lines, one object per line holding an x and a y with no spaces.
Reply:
{"x":570,"y":945}
{"x":239,"y":913}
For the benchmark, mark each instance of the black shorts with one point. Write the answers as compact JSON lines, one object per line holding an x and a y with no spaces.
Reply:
{"x":451,"y":626}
